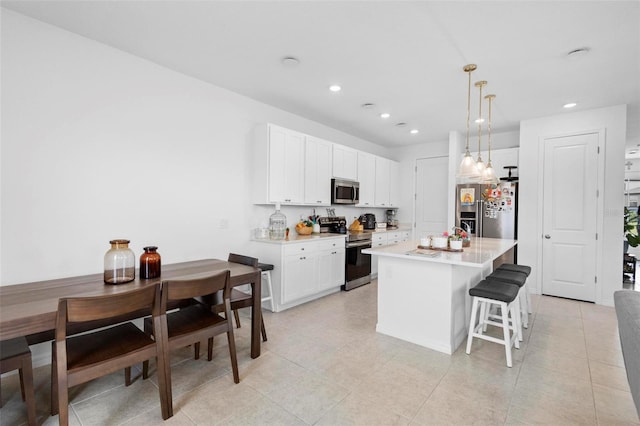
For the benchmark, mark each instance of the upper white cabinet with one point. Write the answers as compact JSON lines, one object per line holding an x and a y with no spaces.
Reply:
{"x":382,"y":182}
{"x":290,"y":167}
{"x":317,"y":171}
{"x":367,"y":178}
{"x":394,"y":183}
{"x":286,"y":162}
{"x":345,"y":162}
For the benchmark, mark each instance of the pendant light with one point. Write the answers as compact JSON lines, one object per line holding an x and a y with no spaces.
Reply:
{"x":489,"y":175}
{"x":468,"y":169}
{"x":479,"y":163}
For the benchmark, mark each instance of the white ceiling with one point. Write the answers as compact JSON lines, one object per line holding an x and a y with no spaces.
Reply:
{"x":405,"y":57}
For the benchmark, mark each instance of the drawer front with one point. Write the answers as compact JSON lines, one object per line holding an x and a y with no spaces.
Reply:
{"x":379,"y":236}
{"x":329,"y":244}
{"x":292,"y":249}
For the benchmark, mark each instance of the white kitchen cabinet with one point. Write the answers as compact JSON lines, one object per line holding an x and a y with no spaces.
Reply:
{"x":331,"y":258}
{"x":394,"y":183}
{"x":382,"y":182}
{"x":345,"y":162}
{"x":300,"y":272}
{"x":367,"y":179}
{"x":303,"y":271}
{"x":317,"y":171}
{"x":278,"y":166}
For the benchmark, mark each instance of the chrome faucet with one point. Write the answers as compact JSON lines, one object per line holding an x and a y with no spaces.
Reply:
{"x":468,"y":230}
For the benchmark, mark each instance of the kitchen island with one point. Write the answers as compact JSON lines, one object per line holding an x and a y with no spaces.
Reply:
{"x":423,"y":295}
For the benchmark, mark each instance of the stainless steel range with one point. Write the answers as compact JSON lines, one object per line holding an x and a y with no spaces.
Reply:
{"x":358,"y":264}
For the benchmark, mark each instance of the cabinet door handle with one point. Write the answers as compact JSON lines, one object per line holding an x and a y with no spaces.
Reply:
{"x":334,"y":252}
{"x":319,"y":202}
{"x":302,"y":248}
{"x":547,"y":236}
{"x":302,"y":258}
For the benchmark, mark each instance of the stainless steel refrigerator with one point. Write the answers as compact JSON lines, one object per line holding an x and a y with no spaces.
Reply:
{"x":488,"y":211}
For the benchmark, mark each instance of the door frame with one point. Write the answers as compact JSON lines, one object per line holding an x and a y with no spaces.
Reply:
{"x":602,"y":141}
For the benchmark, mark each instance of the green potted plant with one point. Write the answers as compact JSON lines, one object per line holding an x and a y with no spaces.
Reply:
{"x":630,"y":229}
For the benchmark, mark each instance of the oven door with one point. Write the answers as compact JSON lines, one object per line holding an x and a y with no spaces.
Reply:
{"x":358,"y":265}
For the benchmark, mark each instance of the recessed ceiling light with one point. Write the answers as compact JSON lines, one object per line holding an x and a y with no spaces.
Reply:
{"x":385,"y":115}
{"x":578,"y":52}
{"x":290,"y":61}
{"x":335,"y":88}
{"x":569,"y":105}
{"x":368,"y":105}
{"x":414,"y":131}
{"x":401,"y":124}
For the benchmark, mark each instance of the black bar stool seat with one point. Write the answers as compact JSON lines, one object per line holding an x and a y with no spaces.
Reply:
{"x":265,"y":267}
{"x":502,"y":291}
{"x":511,"y":277}
{"x":516,"y":268}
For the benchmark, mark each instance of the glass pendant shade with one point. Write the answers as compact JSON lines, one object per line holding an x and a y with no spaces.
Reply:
{"x":467,"y":167}
{"x":480,"y":166}
{"x":489,"y":175}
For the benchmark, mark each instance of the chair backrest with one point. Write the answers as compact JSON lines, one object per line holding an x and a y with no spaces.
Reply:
{"x":84,"y":309}
{"x":196,"y":287}
{"x":244,"y":260}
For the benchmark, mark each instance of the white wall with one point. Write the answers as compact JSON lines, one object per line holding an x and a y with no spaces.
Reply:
{"x":407,"y":156}
{"x":99,"y":144}
{"x":613,"y":121}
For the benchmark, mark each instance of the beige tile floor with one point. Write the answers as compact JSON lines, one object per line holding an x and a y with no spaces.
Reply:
{"x":324,"y":364}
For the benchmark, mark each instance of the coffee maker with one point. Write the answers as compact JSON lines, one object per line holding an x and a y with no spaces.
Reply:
{"x":392,"y":222}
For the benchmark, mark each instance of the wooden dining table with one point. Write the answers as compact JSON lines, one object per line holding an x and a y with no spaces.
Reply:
{"x":30,"y":309}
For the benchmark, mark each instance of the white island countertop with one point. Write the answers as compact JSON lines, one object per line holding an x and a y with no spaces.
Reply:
{"x":481,"y":253}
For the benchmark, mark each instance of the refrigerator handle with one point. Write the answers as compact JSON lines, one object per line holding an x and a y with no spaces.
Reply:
{"x":479,"y":218}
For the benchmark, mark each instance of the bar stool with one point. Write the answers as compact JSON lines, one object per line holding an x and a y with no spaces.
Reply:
{"x":519,"y":279}
{"x":524,"y":269}
{"x":15,"y":355}
{"x":486,"y":294}
{"x":266,"y":269}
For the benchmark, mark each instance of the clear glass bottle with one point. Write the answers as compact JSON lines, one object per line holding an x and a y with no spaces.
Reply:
{"x":277,"y":225}
{"x":150,"y":263}
{"x":119,"y":263}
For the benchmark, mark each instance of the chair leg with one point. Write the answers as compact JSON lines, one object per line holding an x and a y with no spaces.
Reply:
{"x":472,"y":323}
{"x":232,"y":354}
{"x":263,"y":330}
{"x":145,"y":370}
{"x":127,"y":376}
{"x":210,"y":349}
{"x":196,"y":350}
{"x":506,"y":334}
{"x":26,"y":379}
{"x":54,"y":380}
{"x":237,"y":317}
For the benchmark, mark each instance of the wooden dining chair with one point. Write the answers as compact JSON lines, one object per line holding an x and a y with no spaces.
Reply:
{"x":198,"y":321}
{"x":16,"y":355}
{"x":80,"y":358}
{"x":241,"y":299}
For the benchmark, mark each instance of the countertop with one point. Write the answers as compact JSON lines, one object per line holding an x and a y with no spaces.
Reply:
{"x":482,"y":252}
{"x":295,"y":238}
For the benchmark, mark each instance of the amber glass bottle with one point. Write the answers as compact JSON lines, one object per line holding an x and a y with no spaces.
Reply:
{"x":150,"y":263}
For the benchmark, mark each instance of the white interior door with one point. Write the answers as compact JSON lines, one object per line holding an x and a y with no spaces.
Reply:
{"x":431,"y":195}
{"x":569,"y":218}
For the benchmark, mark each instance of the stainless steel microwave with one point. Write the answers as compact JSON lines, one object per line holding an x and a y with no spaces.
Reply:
{"x":345,"y":191}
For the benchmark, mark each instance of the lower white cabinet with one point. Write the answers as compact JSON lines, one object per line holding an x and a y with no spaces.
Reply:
{"x":303,"y":271}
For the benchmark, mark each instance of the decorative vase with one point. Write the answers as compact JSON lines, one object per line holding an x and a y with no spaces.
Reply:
{"x":119,"y":263}
{"x":316,"y":228}
{"x":150,"y":263}
{"x":455,"y":244}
